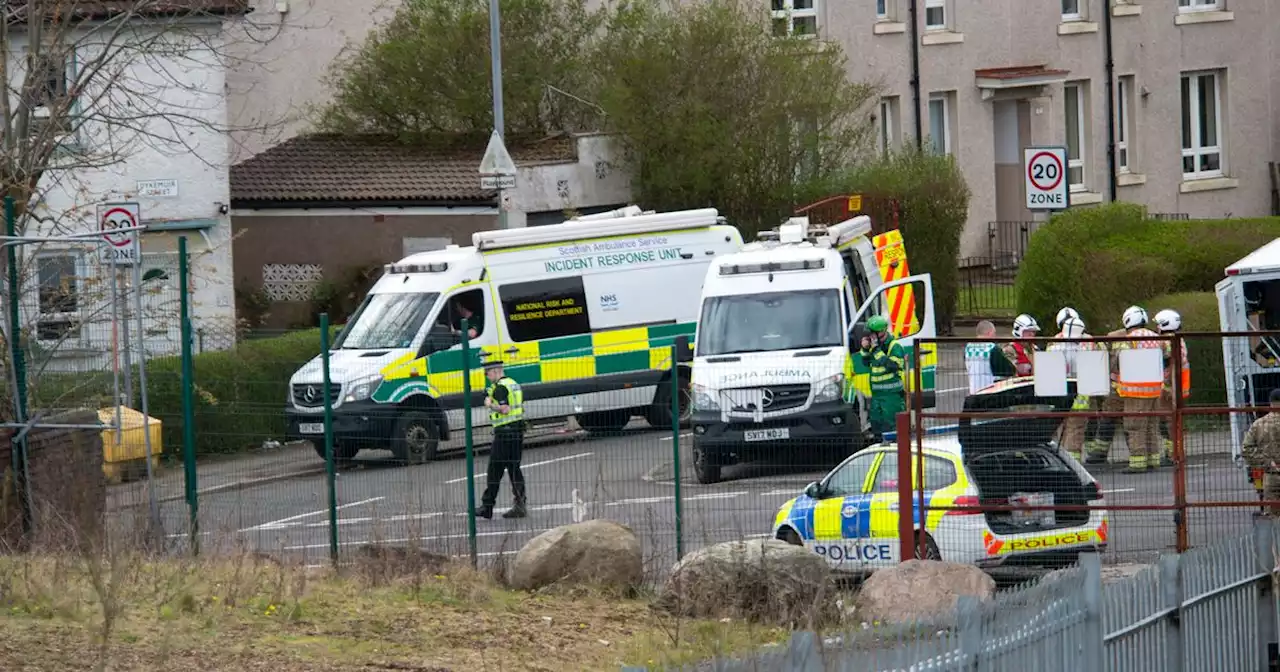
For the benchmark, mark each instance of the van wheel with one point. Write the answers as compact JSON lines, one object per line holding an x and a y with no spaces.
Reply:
{"x":931,"y":551}
{"x":341,"y":452}
{"x":706,"y":471}
{"x":416,"y":438}
{"x":658,"y":414}
{"x":604,"y":422}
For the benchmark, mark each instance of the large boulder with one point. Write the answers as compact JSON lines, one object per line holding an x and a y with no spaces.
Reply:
{"x":919,"y":589}
{"x":595,"y":552}
{"x":761,"y":580}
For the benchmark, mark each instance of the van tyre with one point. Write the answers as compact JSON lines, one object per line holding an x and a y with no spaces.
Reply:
{"x":604,"y":422}
{"x":341,"y":452}
{"x":658,"y":414}
{"x":416,"y":438}
{"x":704,"y":469}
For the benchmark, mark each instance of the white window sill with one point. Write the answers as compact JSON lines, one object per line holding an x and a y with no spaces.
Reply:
{"x":1207,"y":184}
{"x":1083,"y":197}
{"x":1077,"y":27}
{"x":1130,"y":179}
{"x":941,"y":37}
{"x":1192,"y":18}
{"x":889,"y":27}
{"x":1126,"y":9}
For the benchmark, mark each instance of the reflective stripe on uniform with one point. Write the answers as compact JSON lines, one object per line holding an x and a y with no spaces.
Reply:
{"x":1136,"y":389}
{"x":515,"y":403}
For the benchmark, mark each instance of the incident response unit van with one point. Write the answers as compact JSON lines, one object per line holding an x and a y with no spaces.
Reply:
{"x":1249,"y":300}
{"x":772,"y":360}
{"x":583,"y":314}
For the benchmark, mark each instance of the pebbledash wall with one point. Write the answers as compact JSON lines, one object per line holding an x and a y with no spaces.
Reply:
{"x":182,"y":188}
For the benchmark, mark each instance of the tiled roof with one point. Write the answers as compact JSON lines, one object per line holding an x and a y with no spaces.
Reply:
{"x":105,"y":9}
{"x":373,"y":168}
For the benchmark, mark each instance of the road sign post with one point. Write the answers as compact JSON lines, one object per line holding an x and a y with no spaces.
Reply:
{"x":120,"y":226}
{"x":498,"y":171}
{"x":1044,"y":171}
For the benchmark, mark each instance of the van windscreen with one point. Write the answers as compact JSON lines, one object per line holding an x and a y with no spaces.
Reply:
{"x":385,"y":321}
{"x":770,"y":322}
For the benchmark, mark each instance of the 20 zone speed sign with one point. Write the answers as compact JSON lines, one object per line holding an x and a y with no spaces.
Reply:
{"x":1045,"y":170}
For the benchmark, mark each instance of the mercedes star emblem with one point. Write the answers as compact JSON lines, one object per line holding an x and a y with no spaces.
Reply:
{"x":309,"y":394}
{"x":766,"y":398}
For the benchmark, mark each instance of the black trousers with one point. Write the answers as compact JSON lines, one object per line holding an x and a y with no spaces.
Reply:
{"x":508,"y":444}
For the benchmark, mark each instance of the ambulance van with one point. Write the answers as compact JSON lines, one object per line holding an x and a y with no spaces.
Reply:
{"x":773,"y":365}
{"x":583,"y":314}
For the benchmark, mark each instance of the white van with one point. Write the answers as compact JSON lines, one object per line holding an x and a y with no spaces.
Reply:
{"x":583,"y":314}
{"x":772,"y":363}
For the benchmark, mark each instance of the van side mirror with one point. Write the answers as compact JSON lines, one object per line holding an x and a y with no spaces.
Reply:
{"x":813,"y":490}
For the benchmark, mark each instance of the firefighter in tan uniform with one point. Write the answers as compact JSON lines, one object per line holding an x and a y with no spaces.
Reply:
{"x":1261,"y":450}
{"x":1168,"y":322}
{"x":1142,"y":433}
{"x":1073,"y":428}
{"x":1098,"y":449}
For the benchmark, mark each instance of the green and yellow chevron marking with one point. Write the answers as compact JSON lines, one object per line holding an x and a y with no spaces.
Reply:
{"x":551,"y":360}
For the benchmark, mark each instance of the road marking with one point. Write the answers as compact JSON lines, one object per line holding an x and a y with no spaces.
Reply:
{"x":530,"y":465}
{"x":779,"y":493}
{"x":641,"y":500}
{"x":949,"y":390}
{"x":283,"y":522}
{"x":717,"y":495}
{"x":683,"y":436}
{"x":510,"y":533}
{"x":1114,"y":490}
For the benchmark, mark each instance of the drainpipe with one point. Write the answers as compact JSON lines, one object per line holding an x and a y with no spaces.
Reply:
{"x":915,"y":73}
{"x":1111,"y":100}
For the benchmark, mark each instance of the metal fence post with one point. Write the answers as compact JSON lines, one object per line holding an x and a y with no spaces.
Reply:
{"x":969,"y":622}
{"x":1094,"y":650}
{"x":906,"y":509}
{"x":675,"y":449}
{"x":330,"y":472}
{"x":1264,"y":539}
{"x":20,"y":469}
{"x":1170,"y":565}
{"x":188,"y":401}
{"x":804,"y":653}
{"x":468,"y":434}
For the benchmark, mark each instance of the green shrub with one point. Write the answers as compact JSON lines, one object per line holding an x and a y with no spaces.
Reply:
{"x":932,"y":207}
{"x":240,"y":394}
{"x":1102,"y":260}
{"x":1199,"y":312}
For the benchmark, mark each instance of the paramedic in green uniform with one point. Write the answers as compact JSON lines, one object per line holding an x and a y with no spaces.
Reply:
{"x":882,"y":353}
{"x":505,"y":402}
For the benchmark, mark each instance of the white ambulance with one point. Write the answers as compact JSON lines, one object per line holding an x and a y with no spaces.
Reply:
{"x":583,"y":314}
{"x":772,"y":362}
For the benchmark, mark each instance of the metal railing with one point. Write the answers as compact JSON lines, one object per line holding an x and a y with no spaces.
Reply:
{"x":1212,"y":608}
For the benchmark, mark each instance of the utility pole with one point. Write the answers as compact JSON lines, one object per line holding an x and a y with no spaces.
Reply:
{"x":495,"y":61}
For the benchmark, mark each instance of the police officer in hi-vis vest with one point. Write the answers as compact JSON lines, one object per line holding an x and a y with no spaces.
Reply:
{"x":505,"y":402}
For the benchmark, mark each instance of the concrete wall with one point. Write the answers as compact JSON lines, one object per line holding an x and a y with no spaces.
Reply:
{"x":1148,"y":44}
{"x":594,"y":180}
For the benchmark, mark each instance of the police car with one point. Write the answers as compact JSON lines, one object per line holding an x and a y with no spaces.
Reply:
{"x":850,"y":517}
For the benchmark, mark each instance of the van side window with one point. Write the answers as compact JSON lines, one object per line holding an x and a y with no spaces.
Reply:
{"x":545,"y":309}
{"x":912,"y":320}
{"x":445,"y":334}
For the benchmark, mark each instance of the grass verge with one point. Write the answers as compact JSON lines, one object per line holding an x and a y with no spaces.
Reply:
{"x":130,"y":612}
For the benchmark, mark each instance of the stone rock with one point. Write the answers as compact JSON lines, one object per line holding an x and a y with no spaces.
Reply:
{"x":919,"y":589}
{"x":760,"y":580}
{"x":594,"y":552}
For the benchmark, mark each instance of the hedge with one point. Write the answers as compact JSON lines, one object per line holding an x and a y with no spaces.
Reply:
{"x":932,"y":207}
{"x":240,"y":394}
{"x":1102,"y":260}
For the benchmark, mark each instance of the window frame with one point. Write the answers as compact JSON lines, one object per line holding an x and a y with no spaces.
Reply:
{"x":882,"y":10}
{"x":940,"y":5}
{"x":789,"y":13}
{"x":1193,"y":6}
{"x":945,"y":99}
{"x":886,"y":138}
{"x":1080,"y":162}
{"x":1124,"y":124}
{"x":75,"y":334}
{"x":1073,"y":15}
{"x":872,"y":458}
{"x":1192,"y":119}
{"x":41,"y":115}
{"x":515,"y":335}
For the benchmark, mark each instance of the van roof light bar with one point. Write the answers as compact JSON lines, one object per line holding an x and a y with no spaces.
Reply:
{"x":772,"y":267}
{"x":434,"y":267}
{"x":577,"y":230}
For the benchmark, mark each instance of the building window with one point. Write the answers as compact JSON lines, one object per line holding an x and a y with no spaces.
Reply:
{"x":46,"y":91}
{"x":1199,"y":5}
{"x":935,"y":14}
{"x":888,"y":124}
{"x":1124,"y":124}
{"x":1071,"y":10}
{"x":1201,"y":125}
{"x":58,"y":283}
{"x":1075,"y":95}
{"x":882,"y":10}
{"x":795,"y":17}
{"x":939,"y":124}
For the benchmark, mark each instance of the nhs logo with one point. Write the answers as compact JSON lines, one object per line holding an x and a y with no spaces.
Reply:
{"x":608,"y":302}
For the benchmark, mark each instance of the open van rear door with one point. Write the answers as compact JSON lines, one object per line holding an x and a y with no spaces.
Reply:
{"x":1235,"y":357}
{"x":908,"y":305}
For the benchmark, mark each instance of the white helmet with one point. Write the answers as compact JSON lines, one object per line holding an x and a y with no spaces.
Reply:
{"x":1134,"y":317}
{"x":1168,"y":320}
{"x":1073,"y":327}
{"x":1065,"y":314}
{"x":1023,"y":323}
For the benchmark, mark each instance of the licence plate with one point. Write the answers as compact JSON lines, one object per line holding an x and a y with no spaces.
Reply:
{"x":311,"y":428}
{"x":767,"y":434}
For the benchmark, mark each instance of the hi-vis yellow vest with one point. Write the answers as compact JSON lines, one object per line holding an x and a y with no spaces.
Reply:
{"x":515,"y":403}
